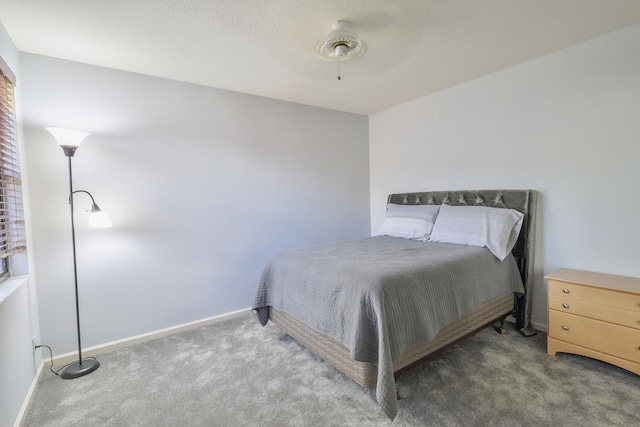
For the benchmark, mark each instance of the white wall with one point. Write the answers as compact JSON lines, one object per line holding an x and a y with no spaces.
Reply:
{"x":202,"y":187}
{"x":565,"y":124}
{"x":18,"y":297}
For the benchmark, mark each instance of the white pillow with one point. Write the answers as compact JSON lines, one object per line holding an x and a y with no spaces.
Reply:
{"x":497,"y":229}
{"x":409,"y":221}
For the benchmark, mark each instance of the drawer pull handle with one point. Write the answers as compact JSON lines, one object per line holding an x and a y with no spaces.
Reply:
{"x":565,"y":305}
{"x":565,"y":291}
{"x":565,"y":327}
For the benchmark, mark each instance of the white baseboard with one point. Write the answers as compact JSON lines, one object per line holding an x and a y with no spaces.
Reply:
{"x":113,"y":345}
{"x":540,"y":327}
{"x":27,"y":399}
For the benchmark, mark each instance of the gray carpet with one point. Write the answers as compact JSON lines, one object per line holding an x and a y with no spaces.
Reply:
{"x":237,"y":373}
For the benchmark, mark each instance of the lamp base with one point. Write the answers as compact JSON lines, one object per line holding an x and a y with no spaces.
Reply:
{"x":77,"y":369}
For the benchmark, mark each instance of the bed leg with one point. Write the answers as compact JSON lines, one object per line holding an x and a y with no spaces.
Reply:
{"x":499,"y":326}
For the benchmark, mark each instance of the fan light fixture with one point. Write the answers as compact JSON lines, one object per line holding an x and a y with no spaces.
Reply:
{"x":340,"y":44}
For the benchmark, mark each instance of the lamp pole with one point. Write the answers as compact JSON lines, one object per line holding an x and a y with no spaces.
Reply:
{"x":81,"y":367}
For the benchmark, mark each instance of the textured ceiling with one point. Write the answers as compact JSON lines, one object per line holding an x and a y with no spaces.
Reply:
{"x":267,"y":47}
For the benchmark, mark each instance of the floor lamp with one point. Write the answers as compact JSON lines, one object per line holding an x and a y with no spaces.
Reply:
{"x":70,"y":140}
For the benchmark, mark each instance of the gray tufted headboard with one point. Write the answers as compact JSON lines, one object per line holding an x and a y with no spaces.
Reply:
{"x":524,"y":250}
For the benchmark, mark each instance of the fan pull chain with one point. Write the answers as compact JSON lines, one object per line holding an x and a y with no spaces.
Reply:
{"x":338,"y":68}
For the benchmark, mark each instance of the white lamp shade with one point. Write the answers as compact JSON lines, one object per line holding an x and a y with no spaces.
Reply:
{"x":68,"y":137}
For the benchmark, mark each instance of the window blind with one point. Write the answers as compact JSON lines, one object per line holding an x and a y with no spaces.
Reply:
{"x":12,"y":233}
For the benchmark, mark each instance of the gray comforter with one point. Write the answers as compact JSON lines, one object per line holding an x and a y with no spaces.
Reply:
{"x":380,"y":295}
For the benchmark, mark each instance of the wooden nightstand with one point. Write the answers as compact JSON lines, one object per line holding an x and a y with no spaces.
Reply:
{"x":595,"y":315}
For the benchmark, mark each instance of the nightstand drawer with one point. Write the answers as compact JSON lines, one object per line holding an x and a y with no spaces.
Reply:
{"x":605,"y":337}
{"x":595,"y":311}
{"x":624,"y":300}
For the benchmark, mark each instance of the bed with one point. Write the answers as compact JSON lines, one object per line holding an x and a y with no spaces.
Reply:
{"x":377,"y":306}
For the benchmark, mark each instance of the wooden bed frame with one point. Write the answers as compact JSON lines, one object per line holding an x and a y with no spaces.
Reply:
{"x":477,"y":319}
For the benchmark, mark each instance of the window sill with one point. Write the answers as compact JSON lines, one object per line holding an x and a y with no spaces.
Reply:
{"x":10,"y":285}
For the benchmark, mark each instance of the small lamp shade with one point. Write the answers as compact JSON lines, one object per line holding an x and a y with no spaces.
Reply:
{"x":68,"y":139}
{"x":97,"y":218}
